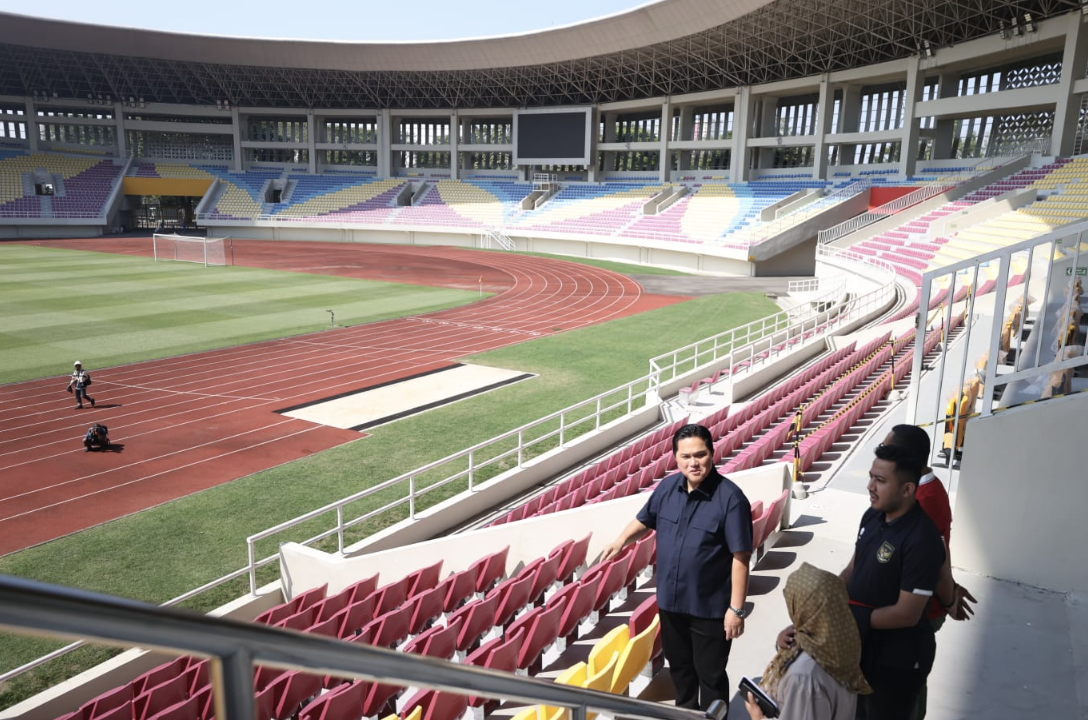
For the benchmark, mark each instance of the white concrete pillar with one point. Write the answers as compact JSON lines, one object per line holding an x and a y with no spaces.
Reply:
{"x":31,"y":115}
{"x":664,"y":164}
{"x":236,"y":119}
{"x":1067,"y":108}
{"x":119,"y":129}
{"x":311,"y":140}
{"x":385,"y":143}
{"x":742,"y":125}
{"x":823,"y":127}
{"x":947,"y":86}
{"x":912,"y":124}
{"x":455,"y":136}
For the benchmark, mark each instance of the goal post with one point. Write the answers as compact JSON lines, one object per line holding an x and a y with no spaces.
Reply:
{"x":170,"y":247}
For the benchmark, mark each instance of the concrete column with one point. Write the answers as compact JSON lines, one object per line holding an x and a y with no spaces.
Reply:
{"x":823,"y":127}
{"x":592,"y":173}
{"x":609,"y":136}
{"x":942,"y":129}
{"x":849,"y":121}
{"x":455,"y":138}
{"x":311,"y":140}
{"x":119,"y":129}
{"x":742,"y":125}
{"x":912,"y":124}
{"x":31,"y":115}
{"x":687,"y":132}
{"x":664,"y":165}
{"x":236,"y":123}
{"x":385,"y":143}
{"x":1067,"y":108}
{"x":767,"y":128}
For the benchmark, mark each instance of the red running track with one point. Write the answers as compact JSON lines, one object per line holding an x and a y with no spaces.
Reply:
{"x":192,"y":422}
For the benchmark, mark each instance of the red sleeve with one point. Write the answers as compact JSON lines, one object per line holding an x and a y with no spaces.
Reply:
{"x":934,"y":501}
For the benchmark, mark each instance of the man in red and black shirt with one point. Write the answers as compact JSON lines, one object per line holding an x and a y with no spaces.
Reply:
{"x":951,"y":599}
{"x":890,"y":580}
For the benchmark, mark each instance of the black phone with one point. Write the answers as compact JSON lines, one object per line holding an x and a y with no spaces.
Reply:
{"x":767,"y":705}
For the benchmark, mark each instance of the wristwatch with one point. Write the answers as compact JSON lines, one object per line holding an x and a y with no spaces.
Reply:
{"x":739,"y":613}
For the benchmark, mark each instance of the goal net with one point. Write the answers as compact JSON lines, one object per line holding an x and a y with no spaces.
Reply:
{"x":187,"y":248}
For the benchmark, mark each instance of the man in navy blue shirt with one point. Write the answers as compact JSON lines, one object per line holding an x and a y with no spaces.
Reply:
{"x":704,"y":543}
{"x":890,"y":579}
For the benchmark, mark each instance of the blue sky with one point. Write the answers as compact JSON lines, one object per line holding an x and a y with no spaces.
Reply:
{"x":360,"y":20}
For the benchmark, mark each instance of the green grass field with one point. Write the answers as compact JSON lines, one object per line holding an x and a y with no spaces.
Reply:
{"x":59,"y":305}
{"x":165,"y":551}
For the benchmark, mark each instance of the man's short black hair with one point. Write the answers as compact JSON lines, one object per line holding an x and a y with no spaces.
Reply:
{"x":693,"y":431}
{"x":913,"y":439}
{"x":908,"y":466}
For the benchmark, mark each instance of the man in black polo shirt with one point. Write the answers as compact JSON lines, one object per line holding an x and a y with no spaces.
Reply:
{"x":704,"y":542}
{"x":890,"y":579}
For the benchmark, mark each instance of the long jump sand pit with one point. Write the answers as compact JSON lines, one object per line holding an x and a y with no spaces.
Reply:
{"x":400,"y":398}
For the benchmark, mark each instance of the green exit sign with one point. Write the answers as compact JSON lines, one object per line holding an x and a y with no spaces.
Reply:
{"x":1081,"y":271}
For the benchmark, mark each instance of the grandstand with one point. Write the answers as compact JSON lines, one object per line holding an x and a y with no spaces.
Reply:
{"x":943,"y":289}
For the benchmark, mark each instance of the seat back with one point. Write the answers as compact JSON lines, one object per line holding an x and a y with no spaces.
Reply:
{"x":391,"y":595}
{"x":490,"y":569}
{"x":424,"y":578}
{"x":478,"y":617}
{"x":608,"y":648}
{"x":426,"y":606}
{"x":581,"y":605}
{"x":543,"y":631}
{"x":513,"y":595}
{"x":458,"y":587}
{"x":635,"y":655}
{"x":355,"y":617}
{"x":574,"y":558}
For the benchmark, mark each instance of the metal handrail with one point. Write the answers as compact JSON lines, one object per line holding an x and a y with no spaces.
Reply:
{"x":236,"y":647}
{"x":781,"y":327}
{"x":632,"y":395}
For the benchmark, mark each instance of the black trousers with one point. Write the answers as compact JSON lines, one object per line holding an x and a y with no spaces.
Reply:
{"x":895,"y":693}
{"x":697,"y":652}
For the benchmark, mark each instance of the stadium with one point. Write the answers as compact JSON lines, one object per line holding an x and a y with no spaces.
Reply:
{"x":391,"y":339}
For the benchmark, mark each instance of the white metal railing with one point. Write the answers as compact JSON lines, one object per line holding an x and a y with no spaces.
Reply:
{"x":238,"y":647}
{"x":469,"y":466}
{"x":923,"y":193}
{"x":1018,"y":373}
{"x":764,"y":340}
{"x":499,"y":238}
{"x":62,"y":215}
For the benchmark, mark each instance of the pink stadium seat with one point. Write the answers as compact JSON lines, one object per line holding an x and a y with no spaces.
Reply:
{"x":309,"y":598}
{"x":361,"y":589}
{"x":355,"y":616}
{"x":457,"y":588}
{"x":391,"y":628}
{"x":641,"y":618}
{"x":345,"y":702}
{"x":124,"y":711}
{"x":545,"y":572}
{"x":573,"y":556}
{"x":158,"y":698}
{"x":542,"y":630}
{"x":498,"y":654}
{"x":159,"y":675}
{"x":579,"y":598}
{"x":613,"y":575}
{"x":424,"y":578}
{"x":391,"y":595}
{"x":478,"y":617}
{"x":187,"y":709}
{"x":490,"y":569}
{"x":426,"y":606}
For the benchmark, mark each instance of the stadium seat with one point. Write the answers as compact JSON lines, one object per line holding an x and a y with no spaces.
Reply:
{"x":457,"y":589}
{"x":541,"y":631}
{"x":426,"y":606}
{"x":478,"y":617}
{"x":513,"y":595}
{"x":635,"y":656}
{"x":501,"y":653}
{"x":490,"y":569}
{"x":424,"y":578}
{"x":345,"y":702}
{"x":572,"y":557}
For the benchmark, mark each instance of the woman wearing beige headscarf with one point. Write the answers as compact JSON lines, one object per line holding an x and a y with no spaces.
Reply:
{"x":817,"y":676}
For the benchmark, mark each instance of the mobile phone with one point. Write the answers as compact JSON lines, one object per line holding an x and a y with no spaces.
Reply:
{"x":767,"y":705}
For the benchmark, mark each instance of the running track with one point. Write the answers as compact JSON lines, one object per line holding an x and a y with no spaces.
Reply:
{"x":192,"y":422}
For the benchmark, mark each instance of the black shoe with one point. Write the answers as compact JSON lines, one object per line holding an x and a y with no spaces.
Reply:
{"x":86,"y":449}
{"x":79,"y":407}
{"x":92,"y":402}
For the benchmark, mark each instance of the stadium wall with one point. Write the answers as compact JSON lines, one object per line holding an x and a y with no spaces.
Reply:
{"x":1020,"y":510}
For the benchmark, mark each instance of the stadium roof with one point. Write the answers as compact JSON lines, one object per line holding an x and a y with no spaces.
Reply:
{"x":666,"y":48}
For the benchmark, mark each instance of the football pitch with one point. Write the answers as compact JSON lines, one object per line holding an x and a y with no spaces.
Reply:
{"x":63,"y":305}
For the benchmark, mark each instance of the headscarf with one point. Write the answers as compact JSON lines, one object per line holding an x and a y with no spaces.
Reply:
{"x":819,"y":608}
